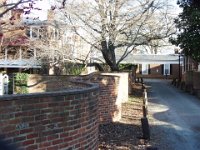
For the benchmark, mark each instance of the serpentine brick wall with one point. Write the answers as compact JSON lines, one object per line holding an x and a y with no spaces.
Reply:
{"x":66,"y":119}
{"x":113,"y":90}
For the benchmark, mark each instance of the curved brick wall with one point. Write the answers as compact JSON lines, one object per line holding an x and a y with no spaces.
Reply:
{"x":113,"y":90}
{"x":52,"y":121}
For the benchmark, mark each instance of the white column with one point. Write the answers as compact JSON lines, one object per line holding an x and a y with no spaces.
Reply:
{"x":35,"y":53}
{"x":1,"y":84}
{"x":31,"y":32}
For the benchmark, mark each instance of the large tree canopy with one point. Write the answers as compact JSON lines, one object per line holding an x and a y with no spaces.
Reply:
{"x":117,"y":27}
{"x":188,"y":23}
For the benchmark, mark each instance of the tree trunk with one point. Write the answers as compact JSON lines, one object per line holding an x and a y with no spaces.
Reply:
{"x":108,"y":51}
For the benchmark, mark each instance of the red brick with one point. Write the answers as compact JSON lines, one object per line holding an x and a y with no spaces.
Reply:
{"x":28,"y":107}
{"x":63,"y":145}
{"x":58,"y":141}
{"x":6,"y":103}
{"x":45,"y":144}
{"x":19,"y":138}
{"x":28,"y":142}
{"x":41,"y":105}
{"x":29,"y":130}
{"x":32,"y":136}
{"x":53,"y":148}
{"x":52,"y":137}
{"x":33,"y":112}
{"x":41,"y":139}
{"x":32,"y":147}
{"x":68,"y":139}
{"x":12,"y":134}
{"x":73,"y":132}
{"x":14,"y":121}
{"x":28,"y":119}
{"x":66,"y":103}
{"x":63,"y":135}
{"x":40,"y":117}
{"x":8,"y":128}
{"x":46,"y":110}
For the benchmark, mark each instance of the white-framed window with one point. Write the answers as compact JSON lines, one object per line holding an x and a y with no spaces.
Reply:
{"x":145,"y":68}
{"x":166,"y":70}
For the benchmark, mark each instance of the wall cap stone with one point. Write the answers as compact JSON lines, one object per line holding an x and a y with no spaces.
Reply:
{"x":89,"y":87}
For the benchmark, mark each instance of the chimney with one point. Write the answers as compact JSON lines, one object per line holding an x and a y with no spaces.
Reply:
{"x":16,"y":16}
{"x":51,"y":15}
{"x":176,"y":50}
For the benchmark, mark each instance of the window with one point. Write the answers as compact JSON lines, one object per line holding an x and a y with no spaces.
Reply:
{"x":166,"y":69}
{"x":145,"y":68}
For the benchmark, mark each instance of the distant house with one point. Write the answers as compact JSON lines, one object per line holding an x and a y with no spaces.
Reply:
{"x":154,"y":66}
{"x":157,"y":66}
{"x":15,"y":54}
{"x":34,"y":45}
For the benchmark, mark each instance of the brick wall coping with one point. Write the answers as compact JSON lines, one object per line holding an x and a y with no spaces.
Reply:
{"x":88,"y":87}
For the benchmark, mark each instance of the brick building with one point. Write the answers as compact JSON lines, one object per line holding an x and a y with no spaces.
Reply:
{"x":27,"y":45}
{"x":158,"y":66}
{"x":154,"y":66}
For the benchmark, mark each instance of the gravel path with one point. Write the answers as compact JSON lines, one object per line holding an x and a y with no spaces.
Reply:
{"x":174,"y":117}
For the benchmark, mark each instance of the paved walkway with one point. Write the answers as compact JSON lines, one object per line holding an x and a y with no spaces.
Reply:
{"x":174,"y":117}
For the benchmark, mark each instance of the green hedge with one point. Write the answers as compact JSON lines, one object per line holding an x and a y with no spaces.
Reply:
{"x":20,"y":83}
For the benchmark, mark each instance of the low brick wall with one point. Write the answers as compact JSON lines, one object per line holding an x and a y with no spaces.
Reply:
{"x":191,"y":80}
{"x":188,"y":78}
{"x":196,"y":80}
{"x":113,"y":90}
{"x":66,"y":119}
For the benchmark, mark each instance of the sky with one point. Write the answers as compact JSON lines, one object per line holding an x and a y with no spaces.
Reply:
{"x":45,"y":5}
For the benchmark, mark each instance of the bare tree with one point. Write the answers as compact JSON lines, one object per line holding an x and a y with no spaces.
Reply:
{"x":55,"y":44}
{"x":117,"y":27}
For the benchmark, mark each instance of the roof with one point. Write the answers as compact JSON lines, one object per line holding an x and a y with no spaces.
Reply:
{"x":17,"y":41}
{"x":149,"y":59}
{"x":24,"y":63}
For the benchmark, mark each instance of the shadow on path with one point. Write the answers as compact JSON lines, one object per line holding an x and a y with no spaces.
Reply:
{"x":174,"y":117}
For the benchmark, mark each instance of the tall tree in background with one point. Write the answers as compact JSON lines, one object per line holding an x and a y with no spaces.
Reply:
{"x":117,"y":27}
{"x":188,"y":24}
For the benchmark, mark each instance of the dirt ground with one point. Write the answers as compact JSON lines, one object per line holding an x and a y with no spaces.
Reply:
{"x":125,"y":134}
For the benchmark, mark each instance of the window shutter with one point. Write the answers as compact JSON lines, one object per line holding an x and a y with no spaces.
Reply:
{"x":140,"y":68}
{"x":171,"y":69}
{"x":149,"y":69}
{"x":162,"y":69}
